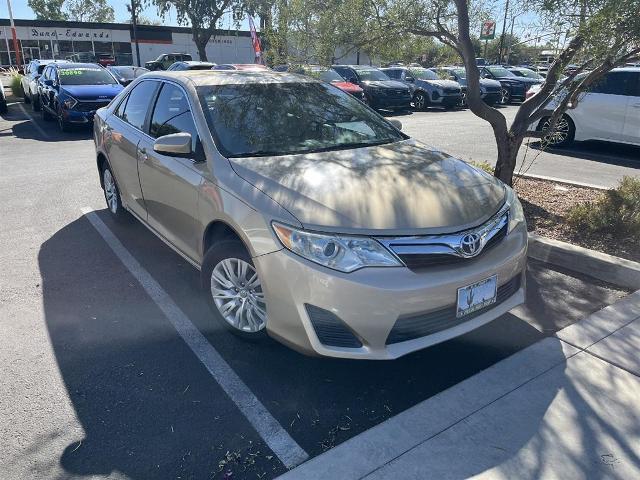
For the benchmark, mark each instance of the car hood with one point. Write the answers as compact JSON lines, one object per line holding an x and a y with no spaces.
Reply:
{"x":440,"y":83}
{"x":93,"y":92}
{"x":404,"y":188}
{"x":384,"y":84}
{"x":347,"y":86}
{"x":487,"y":82}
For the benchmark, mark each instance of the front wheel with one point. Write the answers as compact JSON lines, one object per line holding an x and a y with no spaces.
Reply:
{"x":505,"y":96}
{"x":419,"y":101}
{"x":45,"y":114}
{"x":35,"y":103}
{"x":27,"y":98}
{"x":234,"y":290}
{"x":563,"y":133}
{"x":63,"y":125}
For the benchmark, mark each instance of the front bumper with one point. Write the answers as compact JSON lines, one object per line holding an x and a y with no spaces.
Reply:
{"x":370,"y":301}
{"x":383,"y":101}
{"x":491,"y":98}
{"x":81,"y":118}
{"x":449,"y":100}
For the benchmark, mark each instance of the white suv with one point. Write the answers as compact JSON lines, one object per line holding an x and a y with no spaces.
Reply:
{"x":609,"y":111}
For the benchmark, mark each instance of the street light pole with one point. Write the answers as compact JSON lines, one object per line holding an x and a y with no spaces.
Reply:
{"x":15,"y":37}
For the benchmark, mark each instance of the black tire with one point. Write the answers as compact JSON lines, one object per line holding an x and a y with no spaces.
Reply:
{"x":62,"y":124}
{"x":219,"y":251}
{"x":27,"y":98}
{"x":565,"y":132}
{"x":35,"y":104}
{"x":46,"y":116}
{"x":3,"y":107}
{"x":114,"y":204}
{"x":420,"y":101}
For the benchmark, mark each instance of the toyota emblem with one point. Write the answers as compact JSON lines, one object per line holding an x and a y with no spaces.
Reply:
{"x":470,"y":244}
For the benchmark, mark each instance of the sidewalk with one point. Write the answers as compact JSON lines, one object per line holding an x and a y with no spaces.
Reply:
{"x":567,"y":407}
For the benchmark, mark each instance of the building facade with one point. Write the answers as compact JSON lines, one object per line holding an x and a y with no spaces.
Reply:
{"x":59,"y":40}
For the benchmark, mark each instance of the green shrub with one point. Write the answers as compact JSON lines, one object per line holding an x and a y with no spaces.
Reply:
{"x":487,"y":167}
{"x":16,"y":85}
{"x":617,"y":212}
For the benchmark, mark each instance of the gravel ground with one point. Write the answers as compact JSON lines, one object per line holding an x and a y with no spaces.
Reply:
{"x":546,"y":205}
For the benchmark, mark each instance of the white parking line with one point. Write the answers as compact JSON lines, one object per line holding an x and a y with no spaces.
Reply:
{"x":278,"y":440}
{"x":35,"y":124}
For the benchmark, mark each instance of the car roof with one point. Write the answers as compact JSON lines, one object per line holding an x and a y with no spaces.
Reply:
{"x":627,"y":69}
{"x":195,"y":62}
{"x":79,"y":65}
{"x":358,"y":67}
{"x":229,"y":77}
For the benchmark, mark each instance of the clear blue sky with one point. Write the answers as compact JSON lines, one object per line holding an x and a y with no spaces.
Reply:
{"x":21,"y":10}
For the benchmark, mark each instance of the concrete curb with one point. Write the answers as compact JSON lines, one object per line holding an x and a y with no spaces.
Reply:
{"x":561,"y":181}
{"x":607,"y":268}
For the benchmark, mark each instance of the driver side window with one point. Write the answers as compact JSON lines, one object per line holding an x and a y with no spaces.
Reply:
{"x":173,"y":115}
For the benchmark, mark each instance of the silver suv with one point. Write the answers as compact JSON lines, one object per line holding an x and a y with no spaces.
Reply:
{"x":427,"y":89}
{"x":311,"y":218}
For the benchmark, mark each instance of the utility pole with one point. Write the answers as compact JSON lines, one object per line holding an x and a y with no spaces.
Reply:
{"x":133,"y":8}
{"x":504,"y":27}
{"x":15,"y":37}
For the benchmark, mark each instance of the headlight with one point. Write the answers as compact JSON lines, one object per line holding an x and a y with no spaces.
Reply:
{"x":343,"y":253}
{"x":69,"y":103}
{"x":516,"y":214}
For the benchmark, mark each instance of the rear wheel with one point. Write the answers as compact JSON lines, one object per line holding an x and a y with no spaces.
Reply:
{"x":45,"y":113}
{"x":111,"y":193}
{"x":234,"y":290}
{"x":563,"y":133}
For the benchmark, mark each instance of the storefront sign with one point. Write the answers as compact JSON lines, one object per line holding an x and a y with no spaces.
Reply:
{"x":70,"y":34}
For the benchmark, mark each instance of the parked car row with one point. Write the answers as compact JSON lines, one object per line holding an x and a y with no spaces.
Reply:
{"x":3,"y":100}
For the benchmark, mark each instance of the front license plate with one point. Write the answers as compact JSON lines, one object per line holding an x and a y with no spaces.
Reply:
{"x":476,"y":296}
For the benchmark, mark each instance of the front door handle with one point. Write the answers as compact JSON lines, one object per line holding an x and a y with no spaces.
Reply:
{"x":142,"y":153}
{"x":636,"y":105}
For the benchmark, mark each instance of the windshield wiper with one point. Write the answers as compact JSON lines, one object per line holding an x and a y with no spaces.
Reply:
{"x":260,"y":153}
{"x":347,"y":146}
{"x":343,"y":146}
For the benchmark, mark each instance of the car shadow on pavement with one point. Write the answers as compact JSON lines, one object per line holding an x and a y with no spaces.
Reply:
{"x":605,"y":152}
{"x":26,"y":130}
{"x":149,"y":408}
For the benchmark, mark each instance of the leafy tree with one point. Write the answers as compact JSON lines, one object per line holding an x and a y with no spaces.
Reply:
{"x":47,"y":9}
{"x":203,"y":17}
{"x":89,"y":11}
{"x":76,"y":10}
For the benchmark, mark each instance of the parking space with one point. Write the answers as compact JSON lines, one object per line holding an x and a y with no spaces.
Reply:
{"x":105,"y":385}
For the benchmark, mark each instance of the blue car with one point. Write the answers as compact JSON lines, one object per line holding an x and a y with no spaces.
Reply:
{"x":72,"y":92}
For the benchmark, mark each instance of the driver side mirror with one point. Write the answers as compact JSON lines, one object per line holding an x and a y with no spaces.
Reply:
{"x":396,"y":123}
{"x":410,"y":79}
{"x":175,"y":144}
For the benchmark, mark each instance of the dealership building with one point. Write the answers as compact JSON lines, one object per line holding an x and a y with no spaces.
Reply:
{"x":59,"y":40}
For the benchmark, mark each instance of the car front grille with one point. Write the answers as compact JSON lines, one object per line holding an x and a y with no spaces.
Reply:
{"x":493,"y":89}
{"x":421,"y":325}
{"x":418,"y":253}
{"x":331,"y":331}
{"x":451,"y":90}
{"x":90,"y":106}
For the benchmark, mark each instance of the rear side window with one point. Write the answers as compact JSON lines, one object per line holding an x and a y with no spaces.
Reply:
{"x":138,"y":103}
{"x":172,"y":115}
{"x":616,"y":83}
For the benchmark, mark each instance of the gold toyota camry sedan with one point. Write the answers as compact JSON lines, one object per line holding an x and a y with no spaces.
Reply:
{"x":312,"y":219}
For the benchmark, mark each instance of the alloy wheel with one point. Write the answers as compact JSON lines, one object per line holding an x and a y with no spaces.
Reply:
{"x":237,"y":293}
{"x":505,"y":96}
{"x":559,"y":133}
{"x":110,"y":191}
{"x":419,"y":101}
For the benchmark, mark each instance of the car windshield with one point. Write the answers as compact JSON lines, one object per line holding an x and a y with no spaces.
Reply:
{"x":200,"y":66}
{"x":525,"y":72}
{"x":85,"y":76}
{"x":372,"y":75}
{"x":424,"y":74}
{"x":325,"y":75}
{"x":500,"y":72}
{"x":265,"y":119}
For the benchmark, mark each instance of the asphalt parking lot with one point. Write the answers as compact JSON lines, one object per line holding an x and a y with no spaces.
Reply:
{"x":96,"y":381}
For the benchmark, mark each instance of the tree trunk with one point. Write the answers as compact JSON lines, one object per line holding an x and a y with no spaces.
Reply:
{"x":507,"y":155}
{"x":202,"y":51}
